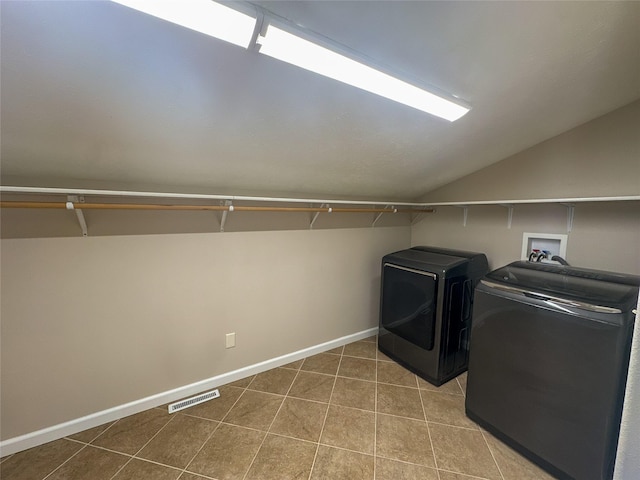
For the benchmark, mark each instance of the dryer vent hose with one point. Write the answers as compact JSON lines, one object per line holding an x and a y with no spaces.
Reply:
{"x":560,"y":260}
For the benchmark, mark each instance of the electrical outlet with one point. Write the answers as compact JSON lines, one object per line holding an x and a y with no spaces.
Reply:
{"x":230,"y":340}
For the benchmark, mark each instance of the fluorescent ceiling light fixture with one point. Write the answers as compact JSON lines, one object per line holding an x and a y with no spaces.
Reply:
{"x":204,"y":16}
{"x":297,"y":51}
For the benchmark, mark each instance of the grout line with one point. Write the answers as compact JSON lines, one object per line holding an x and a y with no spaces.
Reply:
{"x":362,"y":358}
{"x":290,"y":437}
{"x":266,"y":433}
{"x":242,"y":426}
{"x":78,"y":441}
{"x":146,"y":461}
{"x":235,"y":403}
{"x":398,"y":385}
{"x":141,"y":448}
{"x":355,"y":378}
{"x":98,"y":447}
{"x":426,"y":421}
{"x":326,"y":415}
{"x":68,"y":437}
{"x":348,"y":450}
{"x":464,"y":393}
{"x":121,"y":468}
{"x":491,"y":452}
{"x":154,"y":436}
{"x":466,"y":475}
{"x":197,"y":475}
{"x":201,"y":446}
{"x":90,"y":442}
{"x":375,"y":415}
{"x":64,"y":463}
{"x":454,"y":426}
{"x":438,"y":392}
{"x":406,"y":462}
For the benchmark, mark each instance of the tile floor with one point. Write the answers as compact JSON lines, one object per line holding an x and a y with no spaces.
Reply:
{"x":347,"y":414}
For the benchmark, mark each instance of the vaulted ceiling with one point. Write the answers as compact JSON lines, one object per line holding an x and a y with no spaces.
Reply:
{"x":96,"y":92}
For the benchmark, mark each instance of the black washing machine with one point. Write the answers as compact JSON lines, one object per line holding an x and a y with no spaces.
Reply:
{"x":425,"y":309}
{"x":548,"y":363}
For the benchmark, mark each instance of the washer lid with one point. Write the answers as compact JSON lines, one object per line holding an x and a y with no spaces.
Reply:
{"x":609,"y":289}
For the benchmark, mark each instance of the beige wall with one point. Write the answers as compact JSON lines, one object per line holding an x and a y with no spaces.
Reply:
{"x":599,"y":158}
{"x":604,"y":236}
{"x":93,"y":323}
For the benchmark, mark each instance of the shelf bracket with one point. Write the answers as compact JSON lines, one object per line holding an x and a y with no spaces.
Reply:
{"x":509,"y":208}
{"x":375,"y":220}
{"x":223,"y":221}
{"x":415,"y":219}
{"x":465,"y":214}
{"x":315,"y":216}
{"x":571,"y":208}
{"x":71,"y":201}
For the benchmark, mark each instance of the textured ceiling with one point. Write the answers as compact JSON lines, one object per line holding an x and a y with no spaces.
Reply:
{"x":93,"y":91}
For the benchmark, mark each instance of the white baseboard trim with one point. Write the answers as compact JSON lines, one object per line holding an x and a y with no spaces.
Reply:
{"x":39,"y":437}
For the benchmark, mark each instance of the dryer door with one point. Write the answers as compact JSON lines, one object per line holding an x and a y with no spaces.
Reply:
{"x":409,"y":304}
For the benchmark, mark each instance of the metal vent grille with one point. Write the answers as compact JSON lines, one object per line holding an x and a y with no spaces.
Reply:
{"x":190,"y":402}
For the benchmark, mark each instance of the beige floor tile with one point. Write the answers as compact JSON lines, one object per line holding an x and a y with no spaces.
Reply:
{"x":282,"y":458}
{"x":178,"y":442}
{"x":450,"y":387}
{"x":312,"y":386}
{"x":294,"y":365}
{"x":130,"y":434}
{"x":335,"y":464}
{"x":141,"y":470}
{"x":513,"y":465}
{"x":350,"y":428}
{"x":191,"y":476}
{"x":446,"y":408}
{"x":336,"y":351}
{"x":391,"y":372}
{"x":462,"y":381}
{"x":404,"y":439}
{"x":360,"y":349}
{"x":400,"y":401}
{"x":242,"y":383}
{"x":350,"y":392}
{"x":276,"y":380}
{"x":301,"y":419}
{"x":393,"y":470}
{"x":227,"y":455}
{"x":444,"y":475}
{"x":87,"y":436}
{"x":360,"y":368}
{"x":38,"y":462}
{"x":254,"y":410}
{"x":399,"y":435}
{"x":372,"y":339}
{"x":321,"y":363}
{"x":463,"y":450}
{"x":216,"y":408}
{"x":383,"y":358}
{"x":90,"y":463}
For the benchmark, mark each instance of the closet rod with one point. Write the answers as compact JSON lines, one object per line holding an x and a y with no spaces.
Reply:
{"x":217,"y":208}
{"x":192,"y":196}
